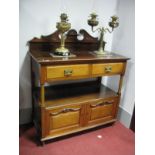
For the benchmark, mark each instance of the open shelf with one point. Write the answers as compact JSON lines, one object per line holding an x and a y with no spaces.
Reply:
{"x":75,"y":93}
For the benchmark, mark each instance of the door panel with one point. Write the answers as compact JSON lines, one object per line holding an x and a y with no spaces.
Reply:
{"x":63,"y":120}
{"x":103,"y":110}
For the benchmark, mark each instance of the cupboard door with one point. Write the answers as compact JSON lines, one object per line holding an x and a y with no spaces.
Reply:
{"x":103,"y":110}
{"x":63,"y":119}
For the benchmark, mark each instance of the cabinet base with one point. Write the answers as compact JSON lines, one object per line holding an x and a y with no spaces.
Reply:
{"x":77,"y":130}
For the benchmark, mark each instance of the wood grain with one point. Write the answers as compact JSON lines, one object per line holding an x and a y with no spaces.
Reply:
{"x":100,"y":69}
{"x":56,"y":72}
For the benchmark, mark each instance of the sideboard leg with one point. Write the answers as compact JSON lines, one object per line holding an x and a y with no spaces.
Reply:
{"x":43,"y":125}
{"x":119,"y":94}
{"x":42,"y":143}
{"x":120,"y":85}
{"x":42,"y":92}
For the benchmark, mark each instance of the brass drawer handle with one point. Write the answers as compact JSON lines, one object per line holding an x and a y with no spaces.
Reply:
{"x":102,"y":103}
{"x":108,"y":69}
{"x":68,"y":72}
{"x":65,"y":111}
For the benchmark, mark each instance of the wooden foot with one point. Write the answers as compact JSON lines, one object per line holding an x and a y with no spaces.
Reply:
{"x":42,"y":143}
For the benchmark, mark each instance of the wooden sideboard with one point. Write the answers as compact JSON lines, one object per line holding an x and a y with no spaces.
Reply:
{"x":67,"y":93}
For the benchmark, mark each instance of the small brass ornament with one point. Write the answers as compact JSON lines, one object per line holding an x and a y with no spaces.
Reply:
{"x":63,"y":26}
{"x":94,"y":22}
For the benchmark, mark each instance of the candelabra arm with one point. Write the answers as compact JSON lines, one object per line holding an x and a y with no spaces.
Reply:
{"x":106,"y":29}
{"x":98,"y":29}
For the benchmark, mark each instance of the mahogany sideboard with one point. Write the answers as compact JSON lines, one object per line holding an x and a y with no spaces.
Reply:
{"x":67,"y":93}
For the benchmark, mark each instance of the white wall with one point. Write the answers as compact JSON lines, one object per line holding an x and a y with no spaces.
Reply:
{"x":39,"y":17}
{"x":124,"y":44}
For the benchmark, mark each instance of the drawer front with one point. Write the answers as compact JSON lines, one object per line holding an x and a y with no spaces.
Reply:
{"x":107,"y":68}
{"x":64,"y":118}
{"x":67,"y":71}
{"x":103,"y":109}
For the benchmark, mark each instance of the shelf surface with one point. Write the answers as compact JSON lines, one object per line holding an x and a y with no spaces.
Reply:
{"x":75,"y":93}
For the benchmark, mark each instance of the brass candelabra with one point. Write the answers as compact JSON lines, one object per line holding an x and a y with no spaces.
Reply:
{"x":94,"y":22}
{"x":63,"y":26}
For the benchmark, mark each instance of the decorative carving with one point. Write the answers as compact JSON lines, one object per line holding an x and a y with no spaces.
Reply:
{"x":65,"y":111}
{"x":52,"y":41}
{"x":87,"y":36}
{"x":102,"y":103}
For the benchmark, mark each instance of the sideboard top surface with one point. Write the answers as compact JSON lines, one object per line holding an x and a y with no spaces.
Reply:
{"x":45,"y":58}
{"x":40,"y":49}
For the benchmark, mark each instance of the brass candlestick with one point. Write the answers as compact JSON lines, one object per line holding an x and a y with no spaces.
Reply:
{"x":94,"y":22}
{"x":63,"y":26}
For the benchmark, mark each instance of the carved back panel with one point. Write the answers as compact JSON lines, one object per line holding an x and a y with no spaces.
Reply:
{"x":52,"y":41}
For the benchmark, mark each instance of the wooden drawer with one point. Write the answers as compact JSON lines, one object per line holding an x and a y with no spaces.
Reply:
{"x":107,"y":68}
{"x":103,"y":109}
{"x":67,"y":71}
{"x":64,"y":118}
